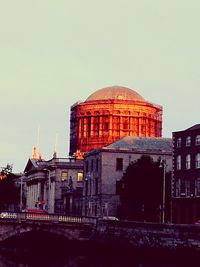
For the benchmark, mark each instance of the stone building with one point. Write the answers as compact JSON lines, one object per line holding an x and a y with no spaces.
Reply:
{"x":110,"y":114}
{"x":55,"y":185}
{"x":186,"y":175}
{"x":105,"y":166}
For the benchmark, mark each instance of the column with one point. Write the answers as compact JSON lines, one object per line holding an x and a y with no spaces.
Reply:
{"x":84,"y":127}
{"x":39,"y":196}
{"x":120,"y":126}
{"x":31,"y":204}
{"x":28,"y":196}
{"x":131,"y":125}
{"x":110,"y":126}
{"x":53,"y":197}
{"x":92,"y":126}
{"x":79,"y":127}
{"x":139,"y":126}
{"x":100,"y":125}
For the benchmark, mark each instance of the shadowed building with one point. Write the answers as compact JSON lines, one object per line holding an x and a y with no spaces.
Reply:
{"x":104,"y":167}
{"x":186,"y":175}
{"x":110,"y":114}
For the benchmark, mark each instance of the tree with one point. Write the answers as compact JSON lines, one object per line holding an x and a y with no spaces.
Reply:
{"x":141,"y":191}
{"x":9,"y":193}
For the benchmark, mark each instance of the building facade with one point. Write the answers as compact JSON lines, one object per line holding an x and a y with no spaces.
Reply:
{"x":55,"y":185}
{"x":105,"y":166}
{"x":186,"y":175}
{"x":110,"y":114}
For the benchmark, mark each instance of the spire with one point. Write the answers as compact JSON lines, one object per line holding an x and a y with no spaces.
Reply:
{"x":35,"y":153}
{"x":40,"y":156}
{"x":55,"y":148}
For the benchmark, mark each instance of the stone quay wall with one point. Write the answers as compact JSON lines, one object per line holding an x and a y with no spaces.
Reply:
{"x":149,"y":235}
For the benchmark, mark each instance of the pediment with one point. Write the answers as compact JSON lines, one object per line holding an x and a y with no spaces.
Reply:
{"x":31,"y":165}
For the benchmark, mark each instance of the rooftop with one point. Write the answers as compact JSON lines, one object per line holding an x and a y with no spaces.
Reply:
{"x":194,"y":127}
{"x":115,"y":92}
{"x":142,"y":143}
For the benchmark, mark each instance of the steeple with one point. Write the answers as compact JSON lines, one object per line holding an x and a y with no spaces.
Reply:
{"x":35,"y":153}
{"x":55,"y":148}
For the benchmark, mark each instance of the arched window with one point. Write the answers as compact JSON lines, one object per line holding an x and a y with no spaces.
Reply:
{"x":197,"y":164}
{"x":188,"y":162}
{"x":178,"y":162}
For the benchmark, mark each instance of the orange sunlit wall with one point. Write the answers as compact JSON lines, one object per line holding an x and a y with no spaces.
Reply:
{"x":96,"y":123}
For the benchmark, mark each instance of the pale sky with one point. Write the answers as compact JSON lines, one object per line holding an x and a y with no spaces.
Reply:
{"x":55,"y":52}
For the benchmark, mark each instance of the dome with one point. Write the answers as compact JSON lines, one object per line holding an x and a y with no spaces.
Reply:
{"x":115,"y":92}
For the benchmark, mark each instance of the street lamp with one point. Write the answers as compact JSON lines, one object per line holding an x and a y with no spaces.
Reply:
{"x":163,"y":165}
{"x":21,"y":193}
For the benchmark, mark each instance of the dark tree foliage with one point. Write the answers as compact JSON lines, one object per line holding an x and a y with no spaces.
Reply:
{"x":9,"y":193}
{"x":141,"y":191}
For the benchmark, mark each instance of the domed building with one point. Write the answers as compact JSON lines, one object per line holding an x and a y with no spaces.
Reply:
{"x":110,"y":114}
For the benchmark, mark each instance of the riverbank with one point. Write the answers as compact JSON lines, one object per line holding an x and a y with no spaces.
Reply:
{"x":94,"y":254}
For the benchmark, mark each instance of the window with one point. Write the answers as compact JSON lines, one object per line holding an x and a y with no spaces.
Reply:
{"x":197,"y":140}
{"x":96,"y":126}
{"x":105,"y":123}
{"x":188,"y":162}
{"x":197,"y":187}
{"x":197,"y":161}
{"x":188,"y":141}
{"x":178,"y":144}
{"x":119,"y":164}
{"x":79,"y":177}
{"x":178,"y":162}
{"x":64,"y":176}
{"x":178,"y":188}
{"x":126,"y":123}
{"x":187,"y":188}
{"x":105,"y":126}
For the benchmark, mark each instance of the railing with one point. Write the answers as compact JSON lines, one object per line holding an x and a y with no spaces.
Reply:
{"x":55,"y":218}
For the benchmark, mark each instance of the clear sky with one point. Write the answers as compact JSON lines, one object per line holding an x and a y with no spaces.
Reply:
{"x":55,"y":52}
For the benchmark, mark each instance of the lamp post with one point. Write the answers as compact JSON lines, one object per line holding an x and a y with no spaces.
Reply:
{"x":163,"y":165}
{"x":21,"y":193}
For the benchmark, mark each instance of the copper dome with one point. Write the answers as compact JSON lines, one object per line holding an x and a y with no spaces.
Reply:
{"x":115,"y":92}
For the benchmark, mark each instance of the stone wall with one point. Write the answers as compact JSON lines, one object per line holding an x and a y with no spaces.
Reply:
{"x":149,"y":235}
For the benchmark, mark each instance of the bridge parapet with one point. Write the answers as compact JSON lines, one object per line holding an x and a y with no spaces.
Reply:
{"x":41,"y":217}
{"x":71,"y":227}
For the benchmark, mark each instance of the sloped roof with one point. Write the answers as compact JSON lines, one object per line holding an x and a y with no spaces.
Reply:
{"x":142,"y":143}
{"x":194,"y":127}
{"x":33,"y":164}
